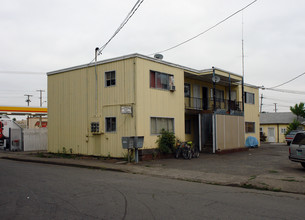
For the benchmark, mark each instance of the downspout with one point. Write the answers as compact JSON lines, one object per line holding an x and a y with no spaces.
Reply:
{"x":229,"y":104}
{"x":134,"y":97}
{"x":214,"y":114}
{"x":96,"y":89}
{"x":214,"y":84}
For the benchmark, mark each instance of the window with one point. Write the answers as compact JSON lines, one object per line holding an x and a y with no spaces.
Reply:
{"x":250,"y":127}
{"x":111,"y":124}
{"x":299,"y":139}
{"x":187,"y":90}
{"x":188,"y":126}
{"x":283,"y":130}
{"x":249,"y":98}
{"x":219,"y":95}
{"x":110,"y":78}
{"x":157,"y":124}
{"x":161,"y":80}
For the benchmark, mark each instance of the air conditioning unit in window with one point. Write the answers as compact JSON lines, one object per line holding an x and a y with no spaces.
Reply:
{"x":172,"y":88}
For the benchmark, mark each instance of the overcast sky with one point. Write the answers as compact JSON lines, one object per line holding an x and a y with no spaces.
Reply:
{"x":38,"y":36}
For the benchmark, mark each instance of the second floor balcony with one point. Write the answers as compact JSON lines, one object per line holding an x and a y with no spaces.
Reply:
{"x":219,"y":105}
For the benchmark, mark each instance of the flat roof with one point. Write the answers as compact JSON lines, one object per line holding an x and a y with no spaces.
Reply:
{"x":136,"y":55}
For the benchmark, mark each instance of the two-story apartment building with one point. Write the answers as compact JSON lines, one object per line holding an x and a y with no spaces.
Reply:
{"x":91,"y":107}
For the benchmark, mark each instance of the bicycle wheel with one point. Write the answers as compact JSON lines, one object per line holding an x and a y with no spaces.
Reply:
{"x":185,"y":153}
{"x":177,"y":153}
{"x":190,"y":153}
{"x":196,"y":152}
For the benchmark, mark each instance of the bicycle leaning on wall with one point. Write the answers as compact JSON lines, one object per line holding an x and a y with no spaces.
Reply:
{"x":187,"y":150}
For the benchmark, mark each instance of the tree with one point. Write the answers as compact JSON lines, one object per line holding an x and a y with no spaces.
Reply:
{"x":293,"y":126}
{"x":298,"y":110}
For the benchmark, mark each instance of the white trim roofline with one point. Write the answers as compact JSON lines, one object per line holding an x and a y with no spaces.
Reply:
{"x":136,"y":55}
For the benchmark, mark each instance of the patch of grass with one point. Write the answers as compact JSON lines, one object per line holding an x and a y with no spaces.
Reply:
{"x":273,"y":171}
{"x":252,"y":177}
{"x":63,"y":155}
{"x":290,"y":179}
{"x":266,"y":188}
{"x":147,"y":165}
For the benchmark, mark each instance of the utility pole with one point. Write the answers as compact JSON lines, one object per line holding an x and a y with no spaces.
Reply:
{"x":40,"y":97}
{"x":275,"y":107}
{"x":28,"y":99}
{"x":261,"y":108}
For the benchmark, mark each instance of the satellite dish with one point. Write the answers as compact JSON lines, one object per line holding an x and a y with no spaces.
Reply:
{"x":215,"y":79}
{"x":158,"y":56}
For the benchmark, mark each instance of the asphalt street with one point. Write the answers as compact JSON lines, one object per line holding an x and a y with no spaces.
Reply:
{"x":41,"y":191}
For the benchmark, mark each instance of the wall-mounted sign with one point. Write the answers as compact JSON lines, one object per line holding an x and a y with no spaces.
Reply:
{"x":126,"y":109}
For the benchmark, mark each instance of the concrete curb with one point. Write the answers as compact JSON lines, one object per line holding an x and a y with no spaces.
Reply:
{"x":263,"y":182}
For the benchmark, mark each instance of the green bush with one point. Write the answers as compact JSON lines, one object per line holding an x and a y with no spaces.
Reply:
{"x":166,"y":142}
{"x":292,"y":126}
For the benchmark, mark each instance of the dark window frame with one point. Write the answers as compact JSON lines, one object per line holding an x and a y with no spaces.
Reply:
{"x":110,"y":124}
{"x":250,"y":129}
{"x":247,"y":98}
{"x":110,"y":81}
{"x":187,"y":86}
{"x":158,"y":80}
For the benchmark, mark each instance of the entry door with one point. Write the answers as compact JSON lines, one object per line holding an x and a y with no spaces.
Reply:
{"x":196,"y":95}
{"x":271,"y":135}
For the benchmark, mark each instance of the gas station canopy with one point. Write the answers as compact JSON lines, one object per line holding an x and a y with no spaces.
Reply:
{"x":12,"y":110}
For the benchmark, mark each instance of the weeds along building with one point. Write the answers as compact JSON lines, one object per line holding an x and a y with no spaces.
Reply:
{"x":91,"y":107}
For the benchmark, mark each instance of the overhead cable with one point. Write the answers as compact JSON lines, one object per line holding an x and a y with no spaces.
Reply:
{"x":129,"y":15}
{"x":192,"y":38}
{"x":285,"y":91}
{"x":288,"y":81}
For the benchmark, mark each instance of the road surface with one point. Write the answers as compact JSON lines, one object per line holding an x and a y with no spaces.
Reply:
{"x":41,"y":191}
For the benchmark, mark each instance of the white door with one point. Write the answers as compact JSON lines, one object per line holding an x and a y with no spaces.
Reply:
{"x":271,"y":135}
{"x":196,"y":97}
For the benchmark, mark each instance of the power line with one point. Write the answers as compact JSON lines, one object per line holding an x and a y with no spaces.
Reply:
{"x":192,"y":38}
{"x":285,"y":91}
{"x":288,"y":81}
{"x":129,"y":15}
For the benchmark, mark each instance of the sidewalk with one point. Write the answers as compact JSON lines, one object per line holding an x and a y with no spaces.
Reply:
{"x":265,"y":168}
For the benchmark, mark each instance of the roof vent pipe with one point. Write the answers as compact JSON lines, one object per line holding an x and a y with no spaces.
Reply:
{"x":96,"y":51}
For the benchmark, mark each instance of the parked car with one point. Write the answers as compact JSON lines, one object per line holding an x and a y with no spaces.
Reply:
{"x":297,"y":148}
{"x":289,"y":137}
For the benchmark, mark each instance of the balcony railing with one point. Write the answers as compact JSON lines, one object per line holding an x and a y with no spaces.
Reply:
{"x":208,"y":104}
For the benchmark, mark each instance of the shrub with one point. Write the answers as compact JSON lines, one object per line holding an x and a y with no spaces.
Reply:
{"x":166,"y":142}
{"x":292,"y":126}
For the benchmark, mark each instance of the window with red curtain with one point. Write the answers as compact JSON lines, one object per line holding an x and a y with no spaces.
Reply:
{"x":152,"y":79}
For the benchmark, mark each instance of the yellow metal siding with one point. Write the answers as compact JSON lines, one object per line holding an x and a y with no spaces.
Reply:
{"x":71,"y":102}
{"x":151,"y":102}
{"x":65,"y":127}
{"x":252,"y":112}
